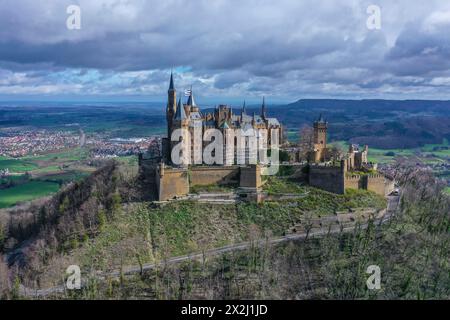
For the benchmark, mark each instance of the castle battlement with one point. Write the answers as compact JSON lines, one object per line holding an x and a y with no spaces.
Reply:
{"x":353,"y":177}
{"x":375,"y":176}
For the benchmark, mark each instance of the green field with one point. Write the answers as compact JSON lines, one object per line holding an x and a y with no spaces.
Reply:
{"x":48,"y":172}
{"x":26,"y":192}
{"x":17,"y":165}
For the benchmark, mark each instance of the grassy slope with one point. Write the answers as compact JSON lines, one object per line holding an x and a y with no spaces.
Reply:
{"x":411,"y":250}
{"x":144,"y":233}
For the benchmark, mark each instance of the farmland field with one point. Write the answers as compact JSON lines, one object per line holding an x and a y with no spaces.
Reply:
{"x":46,"y":174}
{"x":17,"y":165}
{"x":26,"y":192}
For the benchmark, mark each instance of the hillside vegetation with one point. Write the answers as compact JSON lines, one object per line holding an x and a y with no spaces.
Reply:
{"x":411,"y":250}
{"x":99,"y":224}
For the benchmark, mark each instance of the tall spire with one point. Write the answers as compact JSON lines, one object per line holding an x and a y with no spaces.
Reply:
{"x":171,"y":86}
{"x":244,"y":111}
{"x":263,"y":108}
{"x":181,"y":113}
{"x":321,"y":119}
{"x":191,"y":101}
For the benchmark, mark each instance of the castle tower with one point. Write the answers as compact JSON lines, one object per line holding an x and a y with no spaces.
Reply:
{"x":183,"y":145}
{"x":171,"y":106}
{"x":191,"y":101}
{"x":320,"y":139}
{"x":228,"y":145}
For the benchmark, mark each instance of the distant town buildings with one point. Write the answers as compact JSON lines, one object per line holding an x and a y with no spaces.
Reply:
{"x":20,"y":143}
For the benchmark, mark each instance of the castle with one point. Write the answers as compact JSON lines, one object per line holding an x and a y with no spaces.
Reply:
{"x":191,"y":144}
{"x":350,"y":171}
{"x":223,"y":148}
{"x":242,"y":134}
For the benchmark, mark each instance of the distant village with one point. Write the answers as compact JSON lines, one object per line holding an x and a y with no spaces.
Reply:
{"x":21,"y":143}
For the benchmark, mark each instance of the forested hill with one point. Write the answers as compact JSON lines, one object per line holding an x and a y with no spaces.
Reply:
{"x":379,"y":123}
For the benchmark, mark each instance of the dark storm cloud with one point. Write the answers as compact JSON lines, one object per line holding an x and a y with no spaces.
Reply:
{"x":286,"y":49}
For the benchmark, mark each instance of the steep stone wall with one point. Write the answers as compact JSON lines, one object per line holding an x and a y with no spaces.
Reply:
{"x":336,"y":179}
{"x":327,"y":178}
{"x":203,"y":176}
{"x":171,"y":183}
{"x":379,"y":184}
{"x":250,"y":177}
{"x":353,"y":182}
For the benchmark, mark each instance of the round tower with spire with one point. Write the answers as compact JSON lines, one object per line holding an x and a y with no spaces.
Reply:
{"x":320,"y":139}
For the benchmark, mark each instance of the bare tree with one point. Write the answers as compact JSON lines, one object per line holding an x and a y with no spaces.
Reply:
{"x":335,"y":153}
{"x":306,"y":141}
{"x":5,"y":284}
{"x":154,"y":149}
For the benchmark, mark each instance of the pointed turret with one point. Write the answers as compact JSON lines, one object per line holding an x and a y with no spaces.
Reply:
{"x":171,"y":85}
{"x":225,"y":125}
{"x":321,"y":119}
{"x":191,"y":101}
{"x":171,"y":105}
{"x":244,"y":111}
{"x":263,"y":108}
{"x":181,"y":113}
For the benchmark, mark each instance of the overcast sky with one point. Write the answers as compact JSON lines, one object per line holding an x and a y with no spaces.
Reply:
{"x":227,"y":50}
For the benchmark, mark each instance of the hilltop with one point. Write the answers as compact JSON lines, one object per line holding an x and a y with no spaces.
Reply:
{"x":102,"y":223}
{"x":386,"y":124}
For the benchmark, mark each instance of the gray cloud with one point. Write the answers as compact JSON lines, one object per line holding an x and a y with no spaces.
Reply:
{"x":226,"y":48}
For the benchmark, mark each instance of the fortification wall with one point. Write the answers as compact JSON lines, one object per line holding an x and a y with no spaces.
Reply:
{"x":171,"y":183}
{"x":353,"y":182}
{"x":329,"y":178}
{"x":203,"y":176}
{"x":250,"y":177}
{"x":378,"y":184}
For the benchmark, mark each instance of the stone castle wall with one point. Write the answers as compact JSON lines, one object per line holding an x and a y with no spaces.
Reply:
{"x":379,"y":184}
{"x":203,"y":176}
{"x":329,"y":178}
{"x":336,"y":179}
{"x":250,"y":177}
{"x":171,"y":182}
{"x":353,"y":182}
{"x":176,"y":182}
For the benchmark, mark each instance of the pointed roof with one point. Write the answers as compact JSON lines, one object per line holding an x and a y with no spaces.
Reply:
{"x":321,"y":119}
{"x":191,"y":101}
{"x":244,"y":111}
{"x":171,"y":86}
{"x":225,"y":125}
{"x":263,"y":108}
{"x":181,"y":113}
